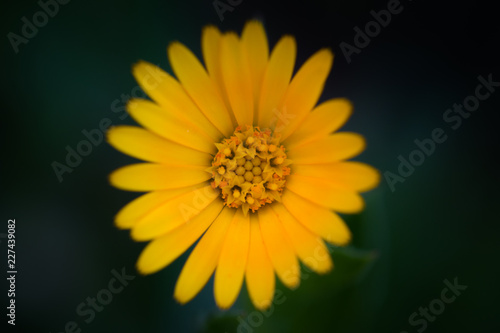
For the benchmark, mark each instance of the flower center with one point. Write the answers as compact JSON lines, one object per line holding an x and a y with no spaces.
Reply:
{"x":250,"y":168}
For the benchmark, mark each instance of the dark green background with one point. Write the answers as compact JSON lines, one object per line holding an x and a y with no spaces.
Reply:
{"x":441,"y":223}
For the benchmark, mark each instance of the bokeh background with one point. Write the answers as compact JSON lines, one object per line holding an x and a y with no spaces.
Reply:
{"x":440,"y":224}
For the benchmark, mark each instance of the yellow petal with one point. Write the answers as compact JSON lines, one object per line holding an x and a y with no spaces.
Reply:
{"x":143,"y":177}
{"x":131,"y":213}
{"x":150,"y":147}
{"x":164,"y":250}
{"x":204,"y":258}
{"x":278,"y":248}
{"x":233,"y":258}
{"x":309,"y":248}
{"x":275,"y":82}
{"x":156,"y":119}
{"x":325,"y":194}
{"x":321,"y":221}
{"x":345,"y":175}
{"x":256,"y":50}
{"x":171,"y":96}
{"x":210,"y":45}
{"x":304,"y":91}
{"x":334,"y":148}
{"x":259,"y":273}
{"x":237,"y":79}
{"x":173,"y":213}
{"x":323,"y":120}
{"x":199,"y":86}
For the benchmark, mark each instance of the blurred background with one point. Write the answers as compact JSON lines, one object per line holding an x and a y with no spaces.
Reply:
{"x":73,"y":74}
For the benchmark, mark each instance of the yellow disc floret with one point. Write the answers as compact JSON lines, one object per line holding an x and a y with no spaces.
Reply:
{"x":250,"y":168}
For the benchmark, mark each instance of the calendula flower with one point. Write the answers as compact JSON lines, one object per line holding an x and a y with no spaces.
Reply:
{"x":239,"y":156}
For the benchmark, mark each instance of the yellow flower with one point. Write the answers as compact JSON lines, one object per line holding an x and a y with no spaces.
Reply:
{"x":239,"y":156}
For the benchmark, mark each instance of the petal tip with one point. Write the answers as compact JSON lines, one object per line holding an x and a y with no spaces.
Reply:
{"x":223,"y":305}
{"x":210,"y":27}
{"x":110,"y":134}
{"x":141,"y":270}
{"x":289,"y":39}
{"x":138,"y":66}
{"x":262,"y":305}
{"x":253,"y":24}
{"x":293,"y":283}
{"x":138,"y":236}
{"x":180,"y":298}
{"x":112,"y":177}
{"x":174,"y":46}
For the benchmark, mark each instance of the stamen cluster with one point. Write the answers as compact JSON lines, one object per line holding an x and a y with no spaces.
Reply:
{"x":250,"y":168}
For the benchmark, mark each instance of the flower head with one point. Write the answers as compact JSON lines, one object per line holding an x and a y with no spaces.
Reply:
{"x":238,"y":155}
